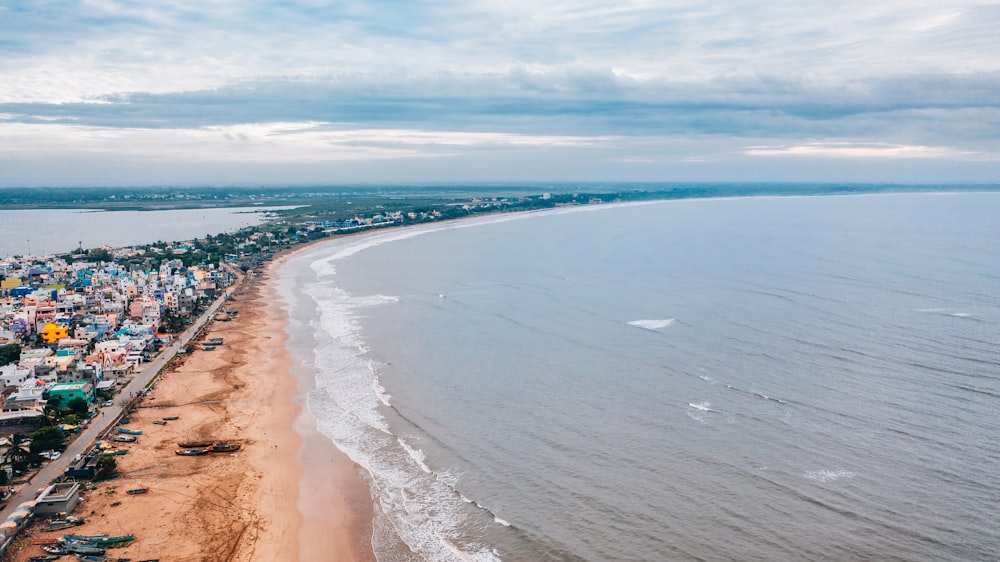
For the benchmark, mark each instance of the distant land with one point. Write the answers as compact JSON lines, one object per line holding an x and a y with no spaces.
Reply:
{"x":348,"y":199}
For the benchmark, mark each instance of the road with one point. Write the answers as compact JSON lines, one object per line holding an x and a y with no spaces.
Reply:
{"x":108,"y":415}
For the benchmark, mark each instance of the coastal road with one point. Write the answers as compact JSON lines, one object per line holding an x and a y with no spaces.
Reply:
{"x":108,"y":415}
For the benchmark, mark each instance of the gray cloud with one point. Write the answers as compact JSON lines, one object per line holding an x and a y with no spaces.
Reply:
{"x":661,"y":76}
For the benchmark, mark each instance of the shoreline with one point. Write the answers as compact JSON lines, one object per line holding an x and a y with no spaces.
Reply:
{"x":328,"y":476}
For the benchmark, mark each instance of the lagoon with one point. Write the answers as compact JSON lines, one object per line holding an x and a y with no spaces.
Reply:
{"x":51,"y":231}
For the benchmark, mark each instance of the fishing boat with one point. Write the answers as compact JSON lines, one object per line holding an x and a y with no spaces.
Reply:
{"x":159,"y":422}
{"x":214,"y":341}
{"x":114,"y":452}
{"x":74,"y":547}
{"x":45,"y":558}
{"x":190,"y":452}
{"x":129,"y":431}
{"x":111,"y":541}
{"x":44,"y":540}
{"x":224,"y":447}
{"x":195,"y":444}
{"x":59,"y":524}
{"x":56,"y":550}
{"x":85,"y":538}
{"x":136,"y":491}
{"x":208,"y":347}
{"x":124,"y":438}
{"x":171,"y":418}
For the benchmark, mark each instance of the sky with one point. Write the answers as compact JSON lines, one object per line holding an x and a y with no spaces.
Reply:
{"x":220,"y":92}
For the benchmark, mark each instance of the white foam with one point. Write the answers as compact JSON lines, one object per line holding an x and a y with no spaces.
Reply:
{"x":703,"y":406}
{"x":652,"y":324}
{"x":501,"y":521}
{"x":415,"y":454}
{"x":383,"y":396}
{"x":421,"y":508}
{"x":828,"y":475}
{"x":945,"y":311}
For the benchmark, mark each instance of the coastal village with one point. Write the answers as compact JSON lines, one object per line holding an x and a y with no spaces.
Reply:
{"x":86,"y":339}
{"x":73,"y":333}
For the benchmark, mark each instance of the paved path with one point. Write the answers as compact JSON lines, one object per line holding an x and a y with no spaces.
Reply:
{"x":108,"y":415}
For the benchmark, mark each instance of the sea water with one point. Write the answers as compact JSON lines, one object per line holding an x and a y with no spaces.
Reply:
{"x":784,"y":378}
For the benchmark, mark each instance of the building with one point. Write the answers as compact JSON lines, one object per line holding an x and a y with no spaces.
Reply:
{"x":58,"y":498}
{"x":54,"y":332}
{"x":70,"y":390}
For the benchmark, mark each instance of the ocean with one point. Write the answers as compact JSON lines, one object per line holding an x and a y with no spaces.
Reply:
{"x":770,"y":378}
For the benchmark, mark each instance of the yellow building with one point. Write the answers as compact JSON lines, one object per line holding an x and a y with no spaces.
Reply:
{"x":52,"y":333}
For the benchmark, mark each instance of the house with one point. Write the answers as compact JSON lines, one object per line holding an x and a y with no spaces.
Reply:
{"x":83,"y":466}
{"x":67,"y":391}
{"x":58,"y":498}
{"x":14,"y":375}
{"x":52,"y":333}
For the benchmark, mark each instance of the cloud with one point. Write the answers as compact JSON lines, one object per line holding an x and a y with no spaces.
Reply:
{"x":855,"y":150}
{"x":423,"y":79}
{"x":267,"y":142}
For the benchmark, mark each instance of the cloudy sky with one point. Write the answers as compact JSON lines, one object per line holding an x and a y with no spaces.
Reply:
{"x":220,"y":92}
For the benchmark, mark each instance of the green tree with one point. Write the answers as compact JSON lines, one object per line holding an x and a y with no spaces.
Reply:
{"x":99,"y":254}
{"x":172,"y":323}
{"x":9,"y":353}
{"x":54,"y":401}
{"x":18,"y":456}
{"x":46,"y":439}
{"x":107,"y":468}
{"x":78,"y":406}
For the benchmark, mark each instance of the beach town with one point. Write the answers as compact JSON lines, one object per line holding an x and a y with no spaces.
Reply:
{"x":149,"y":407}
{"x":148,"y":410}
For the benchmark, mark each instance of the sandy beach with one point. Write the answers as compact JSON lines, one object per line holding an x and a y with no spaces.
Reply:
{"x":287,"y":494}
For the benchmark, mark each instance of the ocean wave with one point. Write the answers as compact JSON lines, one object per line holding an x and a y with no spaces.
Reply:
{"x":652,"y":324}
{"x":828,"y":475}
{"x":703,"y":406}
{"x":419,"y":508}
{"x":417,"y":455}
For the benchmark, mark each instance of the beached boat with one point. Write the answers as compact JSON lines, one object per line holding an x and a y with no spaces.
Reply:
{"x":208,"y":347}
{"x":171,"y":418}
{"x":58,"y":524}
{"x":73,"y":547}
{"x":44,"y":540}
{"x":113,"y":541}
{"x":45,"y":558}
{"x":214,"y":341}
{"x":124,"y":438}
{"x":85,"y":538}
{"x":56,"y":550}
{"x":190,"y":452}
{"x":129,"y":431}
{"x":224,"y":447}
{"x":90,"y":558}
{"x":114,"y":452}
{"x":195,"y":444}
{"x":159,"y":422}
{"x":135,"y":491}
